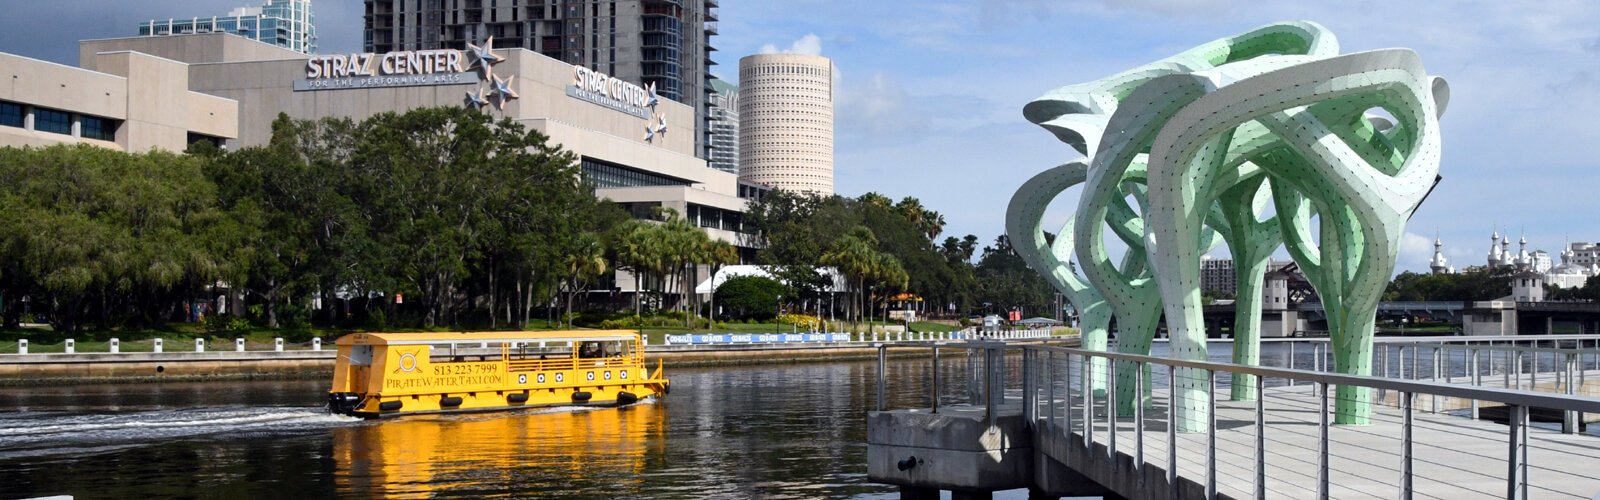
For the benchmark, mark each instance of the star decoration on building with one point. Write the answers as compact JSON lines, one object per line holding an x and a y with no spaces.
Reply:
{"x":476,"y":99}
{"x":654,"y":99}
{"x":651,"y":130}
{"x":484,"y":57}
{"x":501,"y":90}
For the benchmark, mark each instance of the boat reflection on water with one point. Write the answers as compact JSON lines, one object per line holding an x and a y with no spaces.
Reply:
{"x":563,"y":450}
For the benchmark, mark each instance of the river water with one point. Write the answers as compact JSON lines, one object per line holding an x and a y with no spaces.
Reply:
{"x":766,"y":431}
{"x":795,"y":431}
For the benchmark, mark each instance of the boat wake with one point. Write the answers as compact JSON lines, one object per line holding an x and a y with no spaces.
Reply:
{"x":43,"y":433}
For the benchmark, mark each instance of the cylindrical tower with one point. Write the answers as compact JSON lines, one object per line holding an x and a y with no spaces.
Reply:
{"x":786,"y":122}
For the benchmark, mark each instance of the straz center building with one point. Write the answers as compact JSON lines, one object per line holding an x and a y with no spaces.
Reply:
{"x":165,"y":92}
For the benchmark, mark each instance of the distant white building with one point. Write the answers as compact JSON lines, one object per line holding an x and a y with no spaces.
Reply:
{"x":1579,"y":261}
{"x":1440,"y":265}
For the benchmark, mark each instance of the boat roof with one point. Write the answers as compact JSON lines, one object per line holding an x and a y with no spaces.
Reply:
{"x":477,"y":337}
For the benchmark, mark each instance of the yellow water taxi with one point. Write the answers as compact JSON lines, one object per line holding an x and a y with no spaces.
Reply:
{"x":387,"y":374}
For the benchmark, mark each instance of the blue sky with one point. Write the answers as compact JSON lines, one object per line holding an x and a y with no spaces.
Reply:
{"x":930,"y":92}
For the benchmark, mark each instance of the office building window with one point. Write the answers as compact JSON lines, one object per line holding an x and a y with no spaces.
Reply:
{"x":195,"y":138}
{"x":50,"y":120}
{"x":611,"y":175}
{"x":94,"y":127}
{"x":11,"y":114}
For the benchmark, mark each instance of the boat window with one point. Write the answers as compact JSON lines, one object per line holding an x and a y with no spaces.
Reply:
{"x":591,"y":350}
{"x":360,"y":355}
{"x":462,"y":352}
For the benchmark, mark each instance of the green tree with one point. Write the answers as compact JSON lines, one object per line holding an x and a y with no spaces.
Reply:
{"x":751,"y":297}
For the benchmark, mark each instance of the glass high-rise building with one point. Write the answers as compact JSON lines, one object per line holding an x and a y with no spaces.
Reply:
{"x":661,"y":42}
{"x":285,"y":23}
{"x":722,"y":151}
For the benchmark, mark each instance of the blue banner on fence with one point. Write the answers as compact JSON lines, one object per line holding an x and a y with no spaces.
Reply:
{"x":756,"y":338}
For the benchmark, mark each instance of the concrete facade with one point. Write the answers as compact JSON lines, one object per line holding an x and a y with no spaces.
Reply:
{"x":660,"y":42}
{"x":138,"y":102}
{"x":261,"y":79}
{"x":786,"y":122}
{"x":165,"y":92}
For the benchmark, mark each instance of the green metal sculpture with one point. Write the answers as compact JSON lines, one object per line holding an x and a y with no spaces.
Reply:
{"x":1203,"y":141}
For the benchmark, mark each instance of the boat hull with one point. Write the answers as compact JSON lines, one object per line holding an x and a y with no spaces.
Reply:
{"x":377,"y":406}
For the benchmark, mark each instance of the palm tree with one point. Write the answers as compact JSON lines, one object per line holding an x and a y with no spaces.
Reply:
{"x":637,"y":250}
{"x":932,"y":224}
{"x":585,"y":260}
{"x":873,"y":198}
{"x":855,"y":255}
{"x":718,"y":253}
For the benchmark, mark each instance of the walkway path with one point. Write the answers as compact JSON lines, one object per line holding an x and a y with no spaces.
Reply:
{"x":1455,"y":458}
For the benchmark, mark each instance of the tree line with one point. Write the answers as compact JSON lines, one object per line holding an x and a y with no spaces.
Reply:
{"x":889,"y":251}
{"x":438,"y":217}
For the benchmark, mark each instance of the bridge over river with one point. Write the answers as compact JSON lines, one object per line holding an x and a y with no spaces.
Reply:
{"x":1452,"y":418}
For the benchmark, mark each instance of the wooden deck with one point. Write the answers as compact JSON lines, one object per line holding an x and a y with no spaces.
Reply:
{"x":1455,"y":458}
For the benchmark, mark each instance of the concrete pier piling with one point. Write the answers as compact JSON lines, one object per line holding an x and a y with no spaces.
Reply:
{"x":156,"y":346}
{"x":277,"y":344}
{"x":316,"y":344}
{"x":199,"y":345}
{"x":22,"y":346}
{"x":72,"y":346}
{"x":238,"y":345}
{"x":116,"y":345}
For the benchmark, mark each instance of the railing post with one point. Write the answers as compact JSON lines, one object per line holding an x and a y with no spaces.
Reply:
{"x":1261,"y":438}
{"x":1066,"y":400}
{"x":1291,"y":359}
{"x":1569,"y":418}
{"x":1435,"y":397}
{"x":1111,"y":415}
{"x":1050,"y":384}
{"x":1138,"y":420}
{"x":1029,"y":398}
{"x":883,"y":356}
{"x":974,"y":376}
{"x":994,"y":387}
{"x":1322,"y":446}
{"x":1505,"y":362}
{"x":1211,"y":434}
{"x":1517,"y":360}
{"x":1088,"y":404}
{"x":1449,"y":361}
{"x":1416,"y":373}
{"x":1477,"y":381}
{"x":1406,"y":474}
{"x":1172,"y":432}
{"x":1517,"y":462}
{"x":935,"y":400}
{"x":1533,"y":370}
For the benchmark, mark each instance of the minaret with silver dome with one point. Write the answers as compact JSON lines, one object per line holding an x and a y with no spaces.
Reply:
{"x":1496,"y":257}
{"x":1523,"y":261}
{"x":1439,"y":264}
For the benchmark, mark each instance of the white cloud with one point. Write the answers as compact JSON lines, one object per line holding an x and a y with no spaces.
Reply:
{"x":810,"y":45}
{"x":1415,"y":252}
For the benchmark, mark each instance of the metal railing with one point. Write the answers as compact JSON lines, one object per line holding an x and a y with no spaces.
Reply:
{"x":1056,"y":397}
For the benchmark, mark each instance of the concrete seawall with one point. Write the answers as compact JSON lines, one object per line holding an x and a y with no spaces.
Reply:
{"x":84,"y":368}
